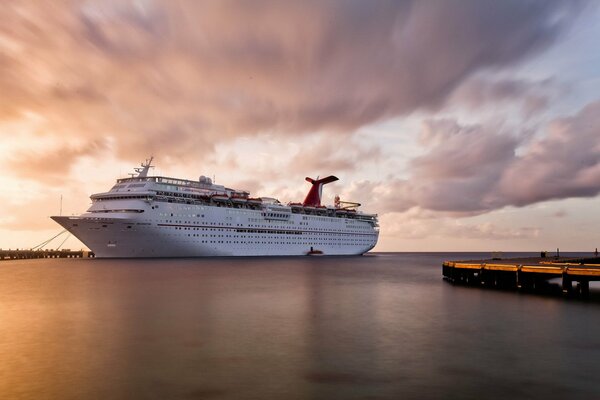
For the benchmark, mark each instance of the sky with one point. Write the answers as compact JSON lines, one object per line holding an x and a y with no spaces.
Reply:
{"x":466,"y":125}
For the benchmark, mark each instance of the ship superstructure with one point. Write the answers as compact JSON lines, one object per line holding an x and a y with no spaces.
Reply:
{"x":157,"y":216}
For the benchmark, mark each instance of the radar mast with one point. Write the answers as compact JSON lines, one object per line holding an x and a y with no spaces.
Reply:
{"x":145,"y":167}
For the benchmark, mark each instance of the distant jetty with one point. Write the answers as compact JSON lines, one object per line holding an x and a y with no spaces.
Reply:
{"x":25,"y":254}
{"x":526,"y":274}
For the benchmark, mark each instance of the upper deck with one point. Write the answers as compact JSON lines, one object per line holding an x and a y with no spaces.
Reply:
{"x":205,"y":192}
{"x":170,"y":181}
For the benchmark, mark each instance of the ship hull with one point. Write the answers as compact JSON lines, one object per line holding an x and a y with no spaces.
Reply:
{"x":131,"y":237}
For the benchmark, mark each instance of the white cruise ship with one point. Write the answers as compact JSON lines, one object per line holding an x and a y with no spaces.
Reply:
{"x":156,"y":216}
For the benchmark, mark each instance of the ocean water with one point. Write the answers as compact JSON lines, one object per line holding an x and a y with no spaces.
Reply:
{"x":381,"y":326}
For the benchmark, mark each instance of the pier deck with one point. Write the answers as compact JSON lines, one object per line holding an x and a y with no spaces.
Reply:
{"x":526,"y":274}
{"x":29,"y":254}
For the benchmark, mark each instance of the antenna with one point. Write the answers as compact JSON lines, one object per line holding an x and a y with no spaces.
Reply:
{"x":145,"y":167}
{"x":60,"y":205}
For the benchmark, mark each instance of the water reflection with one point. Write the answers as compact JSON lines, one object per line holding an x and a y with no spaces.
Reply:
{"x":381,"y":326}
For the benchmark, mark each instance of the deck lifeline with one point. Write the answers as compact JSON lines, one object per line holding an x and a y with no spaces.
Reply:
{"x":526,"y":273}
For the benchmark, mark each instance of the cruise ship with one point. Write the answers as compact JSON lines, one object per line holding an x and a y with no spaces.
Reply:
{"x":157,"y":216}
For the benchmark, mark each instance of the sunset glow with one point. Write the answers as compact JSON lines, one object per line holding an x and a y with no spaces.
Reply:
{"x":466,"y":125}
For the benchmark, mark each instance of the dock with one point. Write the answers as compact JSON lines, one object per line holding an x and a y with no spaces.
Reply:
{"x":25,"y":254}
{"x":526,"y":274}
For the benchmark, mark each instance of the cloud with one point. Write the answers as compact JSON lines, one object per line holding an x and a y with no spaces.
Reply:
{"x":462,"y":166}
{"x":179,"y":77}
{"x":457,"y":174}
{"x":421,"y":224}
{"x":251,"y":185}
{"x":474,"y":169}
{"x":328,"y":155}
{"x":490,"y":231}
{"x":31,"y":213}
{"x":529,"y":96}
{"x":53,"y":165}
{"x":564,"y":163}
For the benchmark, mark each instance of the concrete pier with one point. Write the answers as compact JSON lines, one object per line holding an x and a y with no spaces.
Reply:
{"x":526,"y":274}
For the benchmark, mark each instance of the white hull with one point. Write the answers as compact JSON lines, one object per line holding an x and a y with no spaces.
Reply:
{"x":182,"y":230}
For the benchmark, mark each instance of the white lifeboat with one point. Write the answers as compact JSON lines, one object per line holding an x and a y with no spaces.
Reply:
{"x":220,"y":197}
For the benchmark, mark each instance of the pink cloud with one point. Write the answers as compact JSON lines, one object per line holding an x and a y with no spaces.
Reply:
{"x":564,"y":163}
{"x":475,"y":169}
{"x":180,"y":77}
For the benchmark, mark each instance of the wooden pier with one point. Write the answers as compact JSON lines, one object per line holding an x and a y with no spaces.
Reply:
{"x":526,"y":274}
{"x":24,"y":254}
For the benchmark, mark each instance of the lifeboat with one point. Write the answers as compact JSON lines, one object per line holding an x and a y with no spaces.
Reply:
{"x":219,"y":197}
{"x":252,"y":200}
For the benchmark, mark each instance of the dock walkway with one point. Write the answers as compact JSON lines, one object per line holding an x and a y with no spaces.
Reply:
{"x":526,"y":274}
{"x":24,"y":254}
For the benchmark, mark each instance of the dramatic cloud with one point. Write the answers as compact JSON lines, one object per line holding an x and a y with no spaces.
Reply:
{"x":564,"y":163}
{"x":462,"y":166}
{"x":470,"y":170}
{"x":177,"y":77}
{"x":261,"y":93}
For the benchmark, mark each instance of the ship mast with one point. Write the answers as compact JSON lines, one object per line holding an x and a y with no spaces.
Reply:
{"x":145,"y":167}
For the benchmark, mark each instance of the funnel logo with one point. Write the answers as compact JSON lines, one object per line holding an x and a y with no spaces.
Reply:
{"x":313,"y":198}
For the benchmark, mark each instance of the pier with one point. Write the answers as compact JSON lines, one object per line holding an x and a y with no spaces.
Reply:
{"x":25,"y":254}
{"x":526,"y":274}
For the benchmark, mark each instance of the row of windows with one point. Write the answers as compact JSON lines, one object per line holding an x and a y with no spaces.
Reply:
{"x":127,"y":197}
{"x":208,"y":225}
{"x":268,"y":242}
{"x":118,"y":211}
{"x":322,"y":219}
{"x":308,"y":243}
{"x":356,"y":224}
{"x":269,"y":231}
{"x":312,"y":240}
{"x":275,"y":215}
{"x":264,"y":231}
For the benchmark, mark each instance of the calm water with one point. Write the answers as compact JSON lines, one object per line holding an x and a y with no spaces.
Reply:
{"x":373,"y":327}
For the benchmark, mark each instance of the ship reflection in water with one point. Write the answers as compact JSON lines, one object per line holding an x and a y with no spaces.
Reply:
{"x":378,"y":326}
